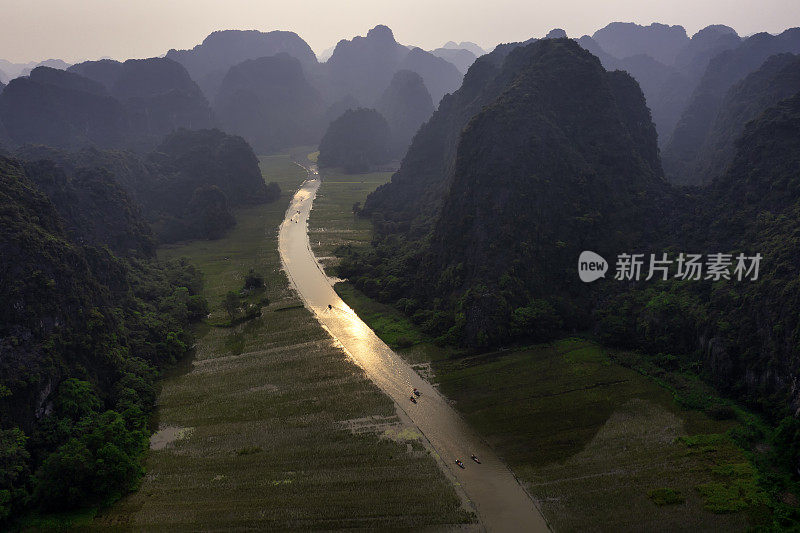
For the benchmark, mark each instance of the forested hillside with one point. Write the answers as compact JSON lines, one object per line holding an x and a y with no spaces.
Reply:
{"x":529,"y":182}
{"x":481,"y":252}
{"x":682,"y":151}
{"x":84,"y":336}
{"x":186,"y":187}
{"x":104,"y":104}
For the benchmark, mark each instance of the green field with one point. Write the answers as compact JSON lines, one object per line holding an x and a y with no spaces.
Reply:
{"x":597,"y":443}
{"x":601,"y":446}
{"x":332,"y":222}
{"x":271,"y":426}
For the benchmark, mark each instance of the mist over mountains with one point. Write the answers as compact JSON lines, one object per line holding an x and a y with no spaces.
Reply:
{"x":684,"y":79}
{"x":209,"y":61}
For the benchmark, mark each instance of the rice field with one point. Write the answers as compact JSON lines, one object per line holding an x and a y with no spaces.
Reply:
{"x":257,"y":431}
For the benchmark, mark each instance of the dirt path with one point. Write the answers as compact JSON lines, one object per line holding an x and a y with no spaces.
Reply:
{"x":501,"y":502}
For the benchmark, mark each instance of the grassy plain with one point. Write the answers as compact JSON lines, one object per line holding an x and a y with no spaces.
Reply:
{"x":600,"y":445}
{"x":258,"y":432}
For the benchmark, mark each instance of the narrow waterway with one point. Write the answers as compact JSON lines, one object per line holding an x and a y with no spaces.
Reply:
{"x":500,"y":501}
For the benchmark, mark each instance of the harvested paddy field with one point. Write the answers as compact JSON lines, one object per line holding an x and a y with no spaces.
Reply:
{"x":272,"y":426}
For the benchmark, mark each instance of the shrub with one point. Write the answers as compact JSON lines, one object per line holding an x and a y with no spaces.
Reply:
{"x":231,"y":304}
{"x":665,"y":496}
{"x":253,"y":280}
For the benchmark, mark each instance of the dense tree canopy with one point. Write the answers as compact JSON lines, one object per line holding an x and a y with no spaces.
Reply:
{"x":81,"y":342}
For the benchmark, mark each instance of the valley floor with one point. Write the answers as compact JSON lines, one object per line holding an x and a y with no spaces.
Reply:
{"x":600,"y":445}
{"x":272,"y":426}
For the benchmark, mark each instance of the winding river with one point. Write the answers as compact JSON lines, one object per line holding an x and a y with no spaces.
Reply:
{"x":501,"y":503}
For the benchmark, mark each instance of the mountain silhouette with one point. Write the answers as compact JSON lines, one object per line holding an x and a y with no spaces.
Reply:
{"x":270,"y":103}
{"x":209,"y":61}
{"x":364,"y":66}
{"x":724,"y":70}
{"x":405,"y":104}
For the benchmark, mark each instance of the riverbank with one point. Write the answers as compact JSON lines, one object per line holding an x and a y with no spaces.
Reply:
{"x":272,"y":426}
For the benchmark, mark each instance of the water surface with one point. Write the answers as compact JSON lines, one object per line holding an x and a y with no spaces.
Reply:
{"x":501,"y":503}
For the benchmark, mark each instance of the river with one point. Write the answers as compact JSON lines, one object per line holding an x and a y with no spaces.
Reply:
{"x":501,"y":503}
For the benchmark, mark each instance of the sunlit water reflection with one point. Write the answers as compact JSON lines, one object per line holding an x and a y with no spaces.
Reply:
{"x":501,"y":502}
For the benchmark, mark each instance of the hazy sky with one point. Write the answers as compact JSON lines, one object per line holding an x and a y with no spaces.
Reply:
{"x":74,"y":30}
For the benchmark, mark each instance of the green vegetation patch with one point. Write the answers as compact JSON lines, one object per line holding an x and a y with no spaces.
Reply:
{"x":665,"y":496}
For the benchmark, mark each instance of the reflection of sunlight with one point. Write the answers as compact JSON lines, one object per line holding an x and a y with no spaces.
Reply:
{"x":354,"y":336}
{"x":355,"y":326}
{"x":362,"y":346}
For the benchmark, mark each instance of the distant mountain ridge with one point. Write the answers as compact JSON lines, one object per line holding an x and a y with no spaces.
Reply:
{"x":777,"y":79}
{"x":114,"y":105}
{"x":667,"y":79}
{"x":724,"y":70}
{"x":364,"y":66}
{"x":465,"y":45}
{"x":15,"y":70}
{"x":406,"y":105}
{"x":459,"y":57}
{"x":209,"y":61}
{"x":659,"y":41}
